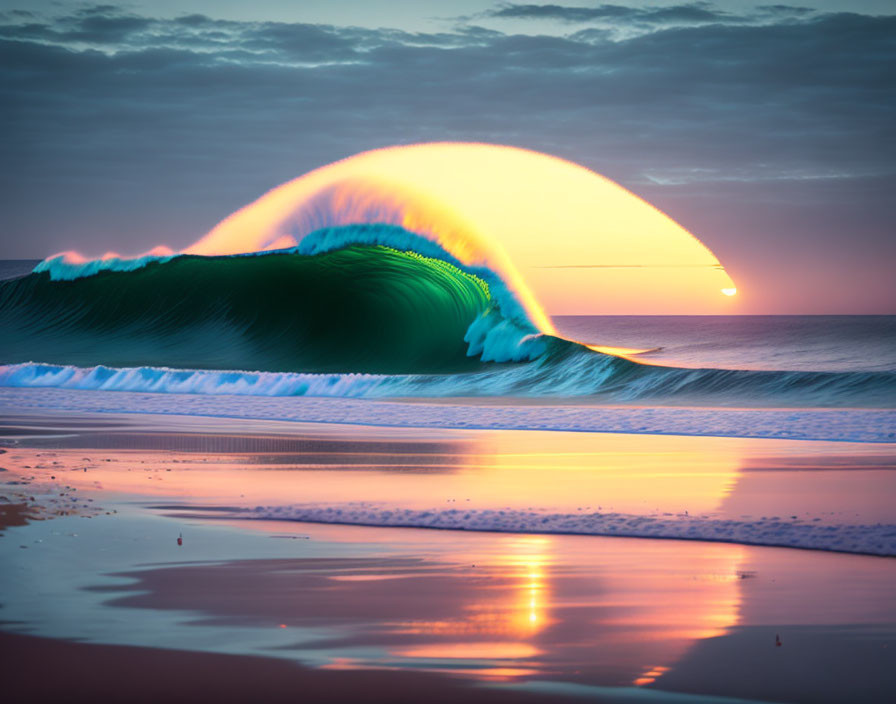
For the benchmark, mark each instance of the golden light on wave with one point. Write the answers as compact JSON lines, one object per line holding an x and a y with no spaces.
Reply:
{"x":729,"y":291}
{"x":561,"y":235}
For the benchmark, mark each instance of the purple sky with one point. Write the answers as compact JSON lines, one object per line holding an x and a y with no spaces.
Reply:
{"x":767,"y":130}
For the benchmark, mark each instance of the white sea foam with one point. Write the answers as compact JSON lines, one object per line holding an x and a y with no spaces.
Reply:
{"x":879,"y":539}
{"x":62,"y":267}
{"x":859,"y":425}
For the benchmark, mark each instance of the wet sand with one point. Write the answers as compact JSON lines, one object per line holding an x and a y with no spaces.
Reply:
{"x":14,"y":515}
{"x":81,"y":672}
{"x":258,"y":608}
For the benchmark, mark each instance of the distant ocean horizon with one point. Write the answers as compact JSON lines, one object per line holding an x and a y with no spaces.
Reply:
{"x":829,"y":343}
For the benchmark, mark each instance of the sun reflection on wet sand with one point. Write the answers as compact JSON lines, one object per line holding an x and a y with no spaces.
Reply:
{"x":504,"y":610}
{"x":493,"y":607}
{"x":530,"y":606}
{"x":568,"y":473}
{"x":516,"y":469}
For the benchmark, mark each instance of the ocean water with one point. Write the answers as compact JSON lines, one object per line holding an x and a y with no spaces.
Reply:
{"x":833,"y":343}
{"x":12,"y":268}
{"x":340,"y":319}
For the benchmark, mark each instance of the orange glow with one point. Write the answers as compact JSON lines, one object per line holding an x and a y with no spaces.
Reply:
{"x":470,"y":651}
{"x":514,"y":608}
{"x":160,"y":251}
{"x":618,"y":351}
{"x":494,"y":674}
{"x":650,"y":676}
{"x":70,"y":256}
{"x":526,"y":560}
{"x":555,"y":231}
{"x":567,"y":471}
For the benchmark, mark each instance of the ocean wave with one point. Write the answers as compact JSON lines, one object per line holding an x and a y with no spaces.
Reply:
{"x":355,"y":306}
{"x":569,"y":374}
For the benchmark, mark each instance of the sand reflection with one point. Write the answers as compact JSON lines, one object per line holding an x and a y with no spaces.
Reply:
{"x":497,"y":607}
{"x":489,"y":607}
{"x":565,"y":472}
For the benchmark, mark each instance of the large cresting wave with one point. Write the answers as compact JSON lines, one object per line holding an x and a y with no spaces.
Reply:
{"x":329,"y":306}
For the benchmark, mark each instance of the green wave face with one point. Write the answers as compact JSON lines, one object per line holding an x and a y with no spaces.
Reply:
{"x":358,"y":309}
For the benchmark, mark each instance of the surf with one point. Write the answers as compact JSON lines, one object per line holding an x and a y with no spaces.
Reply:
{"x":563,"y":379}
{"x":352,"y":308}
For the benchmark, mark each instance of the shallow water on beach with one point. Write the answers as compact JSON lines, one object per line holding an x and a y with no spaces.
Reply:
{"x":538,"y":612}
{"x":827,"y":495}
{"x":605,"y":613}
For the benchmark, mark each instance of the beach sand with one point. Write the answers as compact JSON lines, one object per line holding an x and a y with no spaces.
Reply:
{"x":101,"y":602}
{"x":44,"y":669}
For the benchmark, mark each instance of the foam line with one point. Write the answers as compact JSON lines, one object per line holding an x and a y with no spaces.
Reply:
{"x":879,"y":539}
{"x":853,"y":425}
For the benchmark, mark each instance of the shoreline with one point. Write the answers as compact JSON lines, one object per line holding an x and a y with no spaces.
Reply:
{"x":822,"y":424}
{"x":509,"y":481}
{"x":890,"y":554}
{"x":154,"y":569}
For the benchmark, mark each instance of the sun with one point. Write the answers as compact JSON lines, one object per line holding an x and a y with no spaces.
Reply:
{"x":568,"y":239}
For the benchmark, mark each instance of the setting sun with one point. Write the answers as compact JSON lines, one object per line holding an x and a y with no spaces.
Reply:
{"x":562,"y":236}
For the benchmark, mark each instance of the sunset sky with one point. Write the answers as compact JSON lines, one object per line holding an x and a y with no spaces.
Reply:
{"x":769,"y":131}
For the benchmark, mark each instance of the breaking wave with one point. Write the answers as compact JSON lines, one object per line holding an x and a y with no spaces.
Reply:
{"x":352,"y":311}
{"x":333,"y":305}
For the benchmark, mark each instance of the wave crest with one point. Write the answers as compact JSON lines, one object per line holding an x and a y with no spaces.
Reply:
{"x":346,"y":300}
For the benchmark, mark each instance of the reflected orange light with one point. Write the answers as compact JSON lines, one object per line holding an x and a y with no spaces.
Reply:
{"x":568,"y":472}
{"x":535,"y":589}
{"x":650,"y":676}
{"x":715,"y":612}
{"x":514,"y":616}
{"x":495,"y":674}
{"x":471,"y":650}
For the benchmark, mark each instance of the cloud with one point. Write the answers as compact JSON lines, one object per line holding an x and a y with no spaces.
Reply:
{"x":686,"y":13}
{"x":563,"y":13}
{"x":791,"y":10}
{"x":786,"y":97}
{"x":627,"y":21}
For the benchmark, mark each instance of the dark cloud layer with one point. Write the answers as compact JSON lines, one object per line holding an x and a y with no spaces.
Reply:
{"x":120,"y":130}
{"x":686,"y":13}
{"x":629,"y":17}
